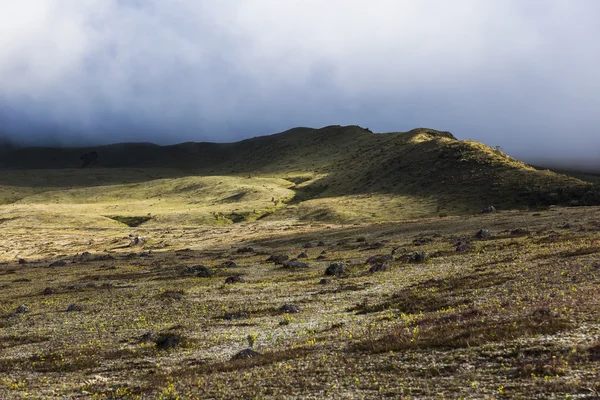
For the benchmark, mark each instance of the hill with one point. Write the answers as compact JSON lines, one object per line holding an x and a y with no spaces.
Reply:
{"x":336,"y":174}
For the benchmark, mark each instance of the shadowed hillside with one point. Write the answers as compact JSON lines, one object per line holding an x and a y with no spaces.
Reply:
{"x":335,"y":174}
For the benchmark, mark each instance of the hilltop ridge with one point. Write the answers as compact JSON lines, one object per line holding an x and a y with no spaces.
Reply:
{"x":332,"y":174}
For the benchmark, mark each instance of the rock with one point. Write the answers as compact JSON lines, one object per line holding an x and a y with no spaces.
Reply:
{"x":295,"y":264}
{"x":199,"y":270}
{"x":488,"y":209}
{"x":168,"y":340}
{"x":245,"y":250}
{"x":378,"y":268}
{"x":324,"y":252}
{"x":234,"y":316}
{"x":147,"y":337}
{"x":229,"y":264}
{"x":308,"y":245}
{"x":324,"y":282}
{"x":302,"y":255}
{"x":483,"y":234}
{"x":289,"y":308}
{"x":320,"y":258}
{"x":463,"y":246}
{"x":520,"y":231}
{"x":379,"y":259}
{"x":103,"y":257}
{"x":278,"y":259}
{"x":59,"y":263}
{"x":336,"y":268}
{"x":22,"y":309}
{"x":234,"y":279}
{"x":74,"y":307}
{"x":417,"y":257}
{"x":22,"y":261}
{"x":398,"y":250}
{"x":48,"y":291}
{"x":138,"y":240}
{"x":377,"y":246}
{"x":320,"y":244}
{"x":246,"y":353}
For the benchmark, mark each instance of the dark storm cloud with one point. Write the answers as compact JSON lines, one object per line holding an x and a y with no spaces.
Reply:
{"x":518,"y":74}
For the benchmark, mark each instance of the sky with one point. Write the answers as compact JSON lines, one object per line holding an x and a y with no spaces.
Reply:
{"x":520,"y":74}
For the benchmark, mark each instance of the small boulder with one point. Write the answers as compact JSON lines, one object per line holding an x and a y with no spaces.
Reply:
{"x":229,"y":264}
{"x":234,"y":279}
{"x":58,"y":263}
{"x":245,"y":354}
{"x":417,"y":257}
{"x":22,"y":261}
{"x":320,"y":244}
{"x":308,"y":245}
{"x":278,"y":259}
{"x":483,"y":234}
{"x":378,"y":268}
{"x":302,"y":255}
{"x":74,"y":307}
{"x":147,"y":337}
{"x":324,"y":281}
{"x":245,"y":250}
{"x":519,"y":232}
{"x":199,"y":270}
{"x":337,"y":268}
{"x":48,"y":291}
{"x":168,"y":340}
{"x":379,"y":259}
{"x":295,"y":264}
{"x":463,"y":246}
{"x":22,"y":309}
{"x":489,"y":209}
{"x":289,"y":308}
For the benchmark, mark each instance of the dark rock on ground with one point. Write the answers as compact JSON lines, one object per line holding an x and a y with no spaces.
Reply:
{"x":234,"y":279}
{"x":320,"y":244}
{"x":336,"y":268}
{"x":103,"y":257}
{"x":463,"y":246}
{"x":168,"y":340}
{"x":147,"y":337}
{"x":308,"y":245}
{"x":417,"y":257}
{"x":246,"y":353}
{"x":59,"y":263}
{"x":379,"y":268}
{"x":302,"y":255}
{"x":22,"y":309}
{"x":483,"y":234}
{"x":278,"y":258}
{"x":520,"y":231}
{"x":245,"y":250}
{"x":48,"y":291}
{"x":379,"y":259}
{"x":229,"y":264}
{"x":22,"y":261}
{"x":324,"y":281}
{"x":488,"y":209}
{"x":289,"y":308}
{"x":74,"y":307}
{"x":324,"y":252}
{"x":199,"y":270}
{"x":295,"y":264}
{"x":321,"y":258}
{"x":234,"y":316}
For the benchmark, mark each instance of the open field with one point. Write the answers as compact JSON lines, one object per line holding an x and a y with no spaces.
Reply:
{"x":512,"y":315}
{"x":152,"y":272}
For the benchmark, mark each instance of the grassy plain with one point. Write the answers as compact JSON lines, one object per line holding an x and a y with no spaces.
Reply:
{"x":120,"y":282}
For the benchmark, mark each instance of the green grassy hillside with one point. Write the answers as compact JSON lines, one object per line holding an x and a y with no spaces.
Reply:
{"x":335,"y":175}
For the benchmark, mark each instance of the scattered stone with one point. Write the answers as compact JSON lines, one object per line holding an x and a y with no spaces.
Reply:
{"x":308,"y":245}
{"x":147,"y":337}
{"x":199,"y":270}
{"x":378,"y":268}
{"x":229,"y":264}
{"x":379,"y":259}
{"x":320,"y":244}
{"x":361,"y":239}
{"x":289,"y":308}
{"x":337,"y":268}
{"x":320,"y":258}
{"x":59,"y":263}
{"x":463,"y":246}
{"x":278,"y":259}
{"x":377,"y":246}
{"x":22,"y":309}
{"x":302,"y":255}
{"x":417,"y":257}
{"x":398,"y":250}
{"x":234,"y":279}
{"x":246,"y":353}
{"x":137,"y":240}
{"x":488,"y":210}
{"x":245,"y":250}
{"x":341,"y":243}
{"x":324,"y":252}
{"x":168,"y":340}
{"x":295,"y":264}
{"x":48,"y":291}
{"x":22,"y":261}
{"x":234,"y":316}
{"x":324,"y":281}
{"x":520,"y":231}
{"x":483,"y":234}
{"x":74,"y":307}
{"x":103,"y":257}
